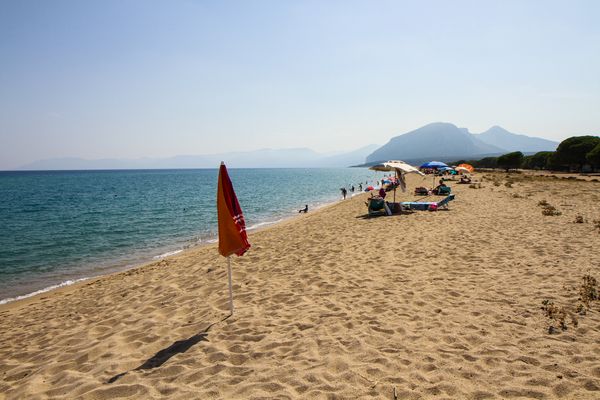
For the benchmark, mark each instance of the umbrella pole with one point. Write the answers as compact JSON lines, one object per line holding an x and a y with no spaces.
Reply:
{"x":230,"y":290}
{"x":395,"y":186}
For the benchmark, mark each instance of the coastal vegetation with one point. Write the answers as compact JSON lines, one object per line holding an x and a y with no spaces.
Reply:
{"x":577,"y":153}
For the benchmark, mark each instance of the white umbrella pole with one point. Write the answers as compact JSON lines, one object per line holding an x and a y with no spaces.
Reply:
{"x":230,"y":290}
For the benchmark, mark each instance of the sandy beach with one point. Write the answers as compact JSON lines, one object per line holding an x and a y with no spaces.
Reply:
{"x":444,"y":305}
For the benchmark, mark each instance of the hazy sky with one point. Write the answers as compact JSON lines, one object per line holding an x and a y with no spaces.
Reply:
{"x":130,"y":79}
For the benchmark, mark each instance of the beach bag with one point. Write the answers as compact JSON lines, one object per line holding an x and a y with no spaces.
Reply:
{"x":421,"y":191}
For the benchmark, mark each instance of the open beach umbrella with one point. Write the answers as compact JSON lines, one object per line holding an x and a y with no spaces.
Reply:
{"x":434,"y":165}
{"x":462,"y":170}
{"x":397,"y":166}
{"x":400,"y":168}
{"x":467,"y":166}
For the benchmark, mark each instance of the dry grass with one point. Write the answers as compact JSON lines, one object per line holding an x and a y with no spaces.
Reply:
{"x":561,"y":317}
{"x":588,"y":292}
{"x":550,"y":211}
{"x":558,"y":316}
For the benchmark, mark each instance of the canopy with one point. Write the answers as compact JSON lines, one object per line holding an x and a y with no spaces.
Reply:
{"x":395,"y":165}
{"x":434,"y":164}
{"x":462,"y":170}
{"x":467,"y":166}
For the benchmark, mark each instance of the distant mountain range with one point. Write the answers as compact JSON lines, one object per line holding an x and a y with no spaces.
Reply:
{"x":436,"y":141}
{"x":445,"y":141}
{"x":273,"y":158}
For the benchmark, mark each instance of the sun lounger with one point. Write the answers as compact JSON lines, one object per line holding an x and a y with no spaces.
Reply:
{"x":428,"y":205}
{"x":378,"y":206}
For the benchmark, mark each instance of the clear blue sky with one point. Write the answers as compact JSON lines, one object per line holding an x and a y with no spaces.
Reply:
{"x":130,"y":79}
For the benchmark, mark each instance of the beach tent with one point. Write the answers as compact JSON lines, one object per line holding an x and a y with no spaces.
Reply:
{"x":400,"y":168}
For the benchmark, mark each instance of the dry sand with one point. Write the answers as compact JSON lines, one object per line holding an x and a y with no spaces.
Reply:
{"x":333,"y":305}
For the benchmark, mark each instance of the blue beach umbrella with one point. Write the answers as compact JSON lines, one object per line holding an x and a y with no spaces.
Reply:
{"x":434,"y":165}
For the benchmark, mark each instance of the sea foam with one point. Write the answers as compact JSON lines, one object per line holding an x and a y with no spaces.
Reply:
{"x":44,"y":290}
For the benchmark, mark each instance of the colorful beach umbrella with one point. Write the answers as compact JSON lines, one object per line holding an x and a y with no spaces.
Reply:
{"x":467,"y":166}
{"x":232,"y":227}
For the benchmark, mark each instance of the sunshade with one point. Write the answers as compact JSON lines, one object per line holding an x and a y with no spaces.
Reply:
{"x":434,"y":164}
{"x":396,"y":165}
{"x":462,"y":170}
{"x":401,"y":168}
{"x":467,"y":166}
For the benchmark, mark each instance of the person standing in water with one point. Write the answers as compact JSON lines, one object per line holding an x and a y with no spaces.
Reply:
{"x":344,"y":192}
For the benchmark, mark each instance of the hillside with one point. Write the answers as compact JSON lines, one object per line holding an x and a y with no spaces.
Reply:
{"x":435,"y":140}
{"x":500,"y":137}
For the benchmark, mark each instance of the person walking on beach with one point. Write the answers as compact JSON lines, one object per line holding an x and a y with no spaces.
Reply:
{"x":344,"y":192}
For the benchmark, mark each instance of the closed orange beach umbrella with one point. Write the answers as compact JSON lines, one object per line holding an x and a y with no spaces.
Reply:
{"x":232,"y":227}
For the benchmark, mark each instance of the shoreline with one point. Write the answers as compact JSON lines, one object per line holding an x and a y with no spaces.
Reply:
{"x":75,"y":282}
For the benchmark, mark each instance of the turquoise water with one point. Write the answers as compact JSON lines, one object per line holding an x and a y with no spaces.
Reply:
{"x":59,"y":226}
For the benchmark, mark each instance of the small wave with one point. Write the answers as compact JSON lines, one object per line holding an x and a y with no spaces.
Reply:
{"x":167,"y":254}
{"x":212,"y":240}
{"x":256,"y":226}
{"x":44,"y":290}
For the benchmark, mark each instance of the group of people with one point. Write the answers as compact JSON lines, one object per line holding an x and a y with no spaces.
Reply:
{"x":352,"y":189}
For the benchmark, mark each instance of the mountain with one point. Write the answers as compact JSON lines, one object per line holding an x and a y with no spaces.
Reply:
{"x":263,"y":158}
{"x":438,"y":140}
{"x":500,"y":137}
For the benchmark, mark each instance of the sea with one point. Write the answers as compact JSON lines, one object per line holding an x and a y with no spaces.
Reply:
{"x":61,"y":227}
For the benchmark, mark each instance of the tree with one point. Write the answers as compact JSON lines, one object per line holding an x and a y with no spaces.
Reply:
{"x":572,"y":151}
{"x":593,"y":157}
{"x":487,"y":162}
{"x":510,"y":160}
{"x":539,"y":160}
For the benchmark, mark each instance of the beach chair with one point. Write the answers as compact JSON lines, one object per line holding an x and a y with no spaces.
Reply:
{"x":428,"y":205}
{"x":444,"y":202}
{"x":377,"y":206}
